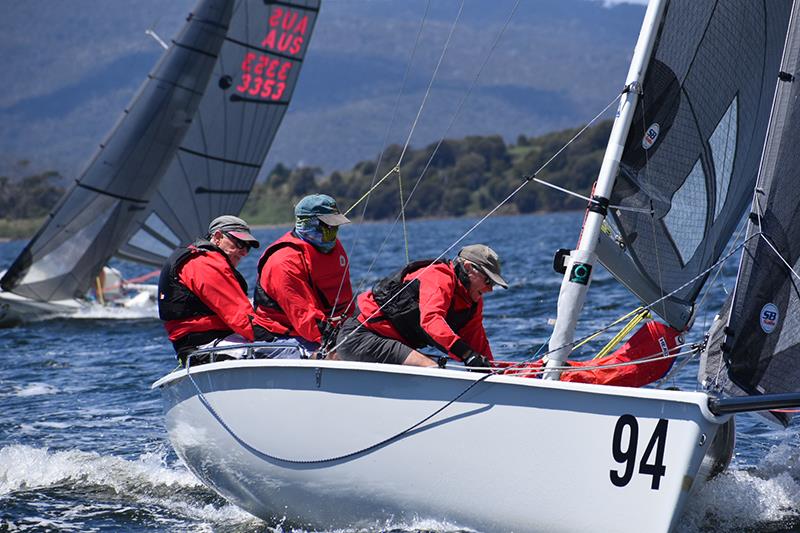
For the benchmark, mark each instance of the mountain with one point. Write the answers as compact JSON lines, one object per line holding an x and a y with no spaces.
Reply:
{"x":71,"y":67}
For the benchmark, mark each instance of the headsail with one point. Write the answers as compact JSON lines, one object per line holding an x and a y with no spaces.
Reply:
{"x":692,"y":154}
{"x":761,"y":343}
{"x":93,"y":218}
{"x":220,"y":157}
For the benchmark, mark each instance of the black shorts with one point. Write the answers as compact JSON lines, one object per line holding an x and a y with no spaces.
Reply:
{"x":360,"y":344}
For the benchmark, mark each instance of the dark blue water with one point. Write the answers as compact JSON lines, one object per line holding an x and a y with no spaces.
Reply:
{"x":83,"y":448}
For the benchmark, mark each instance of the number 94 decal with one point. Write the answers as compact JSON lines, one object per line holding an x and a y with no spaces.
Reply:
{"x":624,"y":449}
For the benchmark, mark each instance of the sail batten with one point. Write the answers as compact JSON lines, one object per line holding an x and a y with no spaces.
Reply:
{"x":694,"y":146}
{"x":94,"y":216}
{"x":220,"y":157}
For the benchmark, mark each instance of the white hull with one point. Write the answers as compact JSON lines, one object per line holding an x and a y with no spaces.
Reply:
{"x":15,"y":309}
{"x":512,"y":454}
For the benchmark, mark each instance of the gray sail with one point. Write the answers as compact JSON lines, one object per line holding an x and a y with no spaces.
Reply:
{"x":219,"y":159}
{"x":93,"y":218}
{"x":760,"y":345}
{"x":694,"y":146}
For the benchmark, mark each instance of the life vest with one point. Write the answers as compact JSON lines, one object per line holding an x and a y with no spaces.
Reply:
{"x":175,"y":300}
{"x":328,"y":275}
{"x":399,"y":302}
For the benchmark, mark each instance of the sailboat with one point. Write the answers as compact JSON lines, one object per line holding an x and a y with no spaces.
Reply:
{"x":340,"y":444}
{"x":188,"y":149}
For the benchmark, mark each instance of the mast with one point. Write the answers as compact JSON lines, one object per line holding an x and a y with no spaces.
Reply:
{"x":577,"y":276}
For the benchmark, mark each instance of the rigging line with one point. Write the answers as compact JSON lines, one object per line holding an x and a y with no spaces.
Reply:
{"x":403,"y":214}
{"x":714,"y":279}
{"x":652,"y":208}
{"x":464,"y":98}
{"x":659,"y":356}
{"x":396,"y":168}
{"x":676,"y":368}
{"x":580,"y":132}
{"x":525,"y":181}
{"x":650,"y":305}
{"x":389,"y":127}
{"x":457,"y":113}
{"x":791,"y":269}
{"x":430,"y":84}
{"x":342,"y":457}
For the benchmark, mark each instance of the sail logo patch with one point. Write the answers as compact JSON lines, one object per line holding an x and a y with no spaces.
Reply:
{"x":342,"y":261}
{"x":580,"y":273}
{"x":769,"y":317}
{"x":651,"y":136}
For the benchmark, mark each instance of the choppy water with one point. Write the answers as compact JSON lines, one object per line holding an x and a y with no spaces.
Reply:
{"x":83,"y":448}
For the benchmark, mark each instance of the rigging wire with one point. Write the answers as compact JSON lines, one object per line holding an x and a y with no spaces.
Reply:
{"x":419,"y":110}
{"x":457,"y":113}
{"x":389,"y":128}
{"x":525,"y":181}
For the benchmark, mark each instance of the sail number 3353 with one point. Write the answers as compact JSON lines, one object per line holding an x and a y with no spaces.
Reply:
{"x":624,"y":446}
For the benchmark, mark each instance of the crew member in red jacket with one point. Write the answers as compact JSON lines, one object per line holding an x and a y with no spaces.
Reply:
{"x":201,"y":296}
{"x":427,"y":303}
{"x":303,"y":289}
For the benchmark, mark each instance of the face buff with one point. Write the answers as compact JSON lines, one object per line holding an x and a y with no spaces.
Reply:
{"x":321,"y":236}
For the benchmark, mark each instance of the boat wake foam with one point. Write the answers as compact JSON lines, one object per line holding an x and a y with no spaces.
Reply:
{"x":752,"y":498}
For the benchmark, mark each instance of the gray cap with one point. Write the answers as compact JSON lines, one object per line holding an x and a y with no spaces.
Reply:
{"x":486,"y":260}
{"x":321,"y":206}
{"x":235,"y":226}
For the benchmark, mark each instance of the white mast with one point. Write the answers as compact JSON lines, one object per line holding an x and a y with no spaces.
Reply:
{"x":579,"y":264}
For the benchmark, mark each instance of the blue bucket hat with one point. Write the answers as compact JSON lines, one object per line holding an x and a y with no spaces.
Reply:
{"x":321,"y":206}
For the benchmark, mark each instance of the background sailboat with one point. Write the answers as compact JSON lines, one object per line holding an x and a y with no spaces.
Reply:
{"x":221,"y":155}
{"x":188,"y":149}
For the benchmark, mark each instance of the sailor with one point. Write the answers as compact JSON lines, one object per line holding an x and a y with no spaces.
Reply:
{"x":427,"y":303}
{"x":202,"y":297}
{"x":303,"y":290}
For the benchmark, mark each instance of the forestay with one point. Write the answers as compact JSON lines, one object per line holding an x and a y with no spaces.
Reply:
{"x":692,"y":153}
{"x":93,"y":218}
{"x":760,"y":348}
{"x":220,"y":157}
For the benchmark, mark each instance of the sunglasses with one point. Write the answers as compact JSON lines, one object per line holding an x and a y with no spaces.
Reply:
{"x":486,"y":279}
{"x":240,"y":244}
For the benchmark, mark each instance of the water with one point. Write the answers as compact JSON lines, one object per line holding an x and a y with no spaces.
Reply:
{"x":82,"y":442}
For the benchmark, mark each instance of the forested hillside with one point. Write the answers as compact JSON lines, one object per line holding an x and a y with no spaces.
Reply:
{"x":463,"y":177}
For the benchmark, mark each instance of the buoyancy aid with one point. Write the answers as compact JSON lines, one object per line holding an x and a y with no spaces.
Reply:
{"x":328,"y":276}
{"x":175,"y":300}
{"x":399,"y":302}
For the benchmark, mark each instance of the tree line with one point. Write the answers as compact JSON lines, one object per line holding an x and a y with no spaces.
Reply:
{"x":453,"y":178}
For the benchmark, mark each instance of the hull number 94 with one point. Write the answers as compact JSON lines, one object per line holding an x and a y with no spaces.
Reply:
{"x":624,"y":446}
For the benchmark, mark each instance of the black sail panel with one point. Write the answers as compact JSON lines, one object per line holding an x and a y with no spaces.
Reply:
{"x":761,"y":344}
{"x":93,"y":218}
{"x":692,"y":154}
{"x":219,"y":159}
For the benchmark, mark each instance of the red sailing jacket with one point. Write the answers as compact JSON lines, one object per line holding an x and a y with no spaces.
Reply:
{"x":298,"y":286}
{"x":440,"y":291}
{"x":210,"y":276}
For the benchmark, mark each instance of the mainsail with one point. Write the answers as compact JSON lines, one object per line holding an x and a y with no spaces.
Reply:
{"x":220,"y":157}
{"x":692,"y":153}
{"x":758,"y":335}
{"x":93,"y":218}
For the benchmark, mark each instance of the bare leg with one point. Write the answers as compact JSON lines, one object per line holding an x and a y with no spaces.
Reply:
{"x":417,"y":359}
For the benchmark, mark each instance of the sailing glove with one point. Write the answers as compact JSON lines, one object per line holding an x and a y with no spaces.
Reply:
{"x":474,"y":359}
